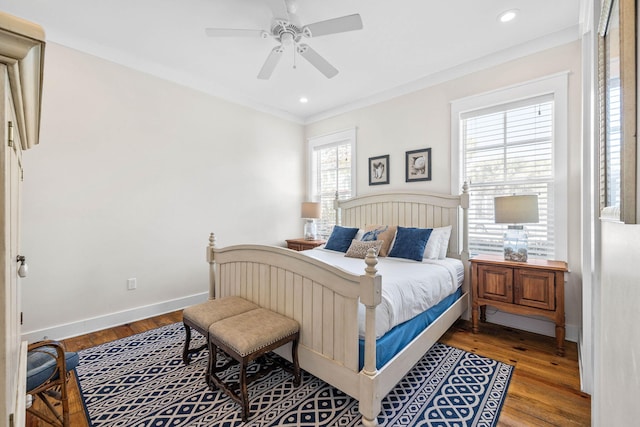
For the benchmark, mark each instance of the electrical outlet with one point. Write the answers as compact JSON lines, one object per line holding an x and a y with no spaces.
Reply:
{"x":132,"y":284}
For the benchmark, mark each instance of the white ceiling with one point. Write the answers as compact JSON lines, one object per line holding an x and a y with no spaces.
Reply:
{"x":404,"y":45}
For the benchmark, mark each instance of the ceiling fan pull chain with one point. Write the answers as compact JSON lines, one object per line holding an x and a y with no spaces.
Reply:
{"x":294,"y":55}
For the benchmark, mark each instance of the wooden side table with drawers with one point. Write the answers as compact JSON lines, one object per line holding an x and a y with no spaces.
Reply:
{"x":535,"y":287}
{"x":302,"y":244}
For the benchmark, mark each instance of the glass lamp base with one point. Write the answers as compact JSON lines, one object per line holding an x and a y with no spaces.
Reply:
{"x":310,"y":230}
{"x":516,"y":244}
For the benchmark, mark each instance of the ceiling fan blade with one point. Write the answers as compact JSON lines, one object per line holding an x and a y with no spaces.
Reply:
{"x":317,"y":61}
{"x":278,"y":8}
{"x":271,"y":62}
{"x":332,"y":26}
{"x":230,"y":32}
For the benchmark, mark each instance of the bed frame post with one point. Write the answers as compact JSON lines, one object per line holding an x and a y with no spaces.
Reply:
{"x":464,"y":255}
{"x":370,"y":296}
{"x":212,"y":266}
{"x":464,"y":203}
{"x":336,"y":207}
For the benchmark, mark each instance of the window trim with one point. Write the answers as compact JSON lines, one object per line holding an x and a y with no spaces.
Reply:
{"x":557,"y":85}
{"x":327,"y":140}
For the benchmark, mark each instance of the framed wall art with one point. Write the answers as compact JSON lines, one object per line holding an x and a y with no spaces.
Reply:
{"x":379,"y":170}
{"x":418,"y":165}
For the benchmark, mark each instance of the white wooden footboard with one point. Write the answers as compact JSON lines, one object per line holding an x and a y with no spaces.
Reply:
{"x":322,"y":298}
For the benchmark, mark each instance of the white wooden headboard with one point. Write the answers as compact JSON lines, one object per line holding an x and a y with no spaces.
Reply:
{"x":411,"y":209}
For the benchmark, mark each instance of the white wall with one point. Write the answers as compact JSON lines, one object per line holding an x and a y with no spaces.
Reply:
{"x":422,"y":119}
{"x":131,"y":175}
{"x":617,"y":376}
{"x":616,"y":298}
{"x":133,"y":172}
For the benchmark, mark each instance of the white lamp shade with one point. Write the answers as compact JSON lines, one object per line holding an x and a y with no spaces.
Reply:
{"x":310,"y":210}
{"x":516,"y":209}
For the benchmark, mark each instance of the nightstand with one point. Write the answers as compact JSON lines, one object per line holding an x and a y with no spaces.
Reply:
{"x":535,"y":287}
{"x":303,"y":244}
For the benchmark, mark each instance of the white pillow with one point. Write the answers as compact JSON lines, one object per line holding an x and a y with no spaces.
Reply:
{"x":432,"y":250}
{"x":437,"y":244}
{"x":445,"y":234}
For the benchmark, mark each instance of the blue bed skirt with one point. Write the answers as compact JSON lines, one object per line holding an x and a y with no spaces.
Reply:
{"x":397,"y":338}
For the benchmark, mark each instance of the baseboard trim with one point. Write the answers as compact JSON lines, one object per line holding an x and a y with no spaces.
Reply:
{"x":586,"y":374}
{"x":68,"y":330}
{"x":531,"y":324}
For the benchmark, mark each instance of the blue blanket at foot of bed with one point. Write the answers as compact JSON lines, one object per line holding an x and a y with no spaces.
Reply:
{"x":397,"y":338}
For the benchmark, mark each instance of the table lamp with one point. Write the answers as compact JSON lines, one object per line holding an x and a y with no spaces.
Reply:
{"x":310,"y":211}
{"x":516,"y":210}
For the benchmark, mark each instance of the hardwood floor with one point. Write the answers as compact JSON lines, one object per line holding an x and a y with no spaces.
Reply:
{"x":76,"y":409}
{"x":544,"y":389}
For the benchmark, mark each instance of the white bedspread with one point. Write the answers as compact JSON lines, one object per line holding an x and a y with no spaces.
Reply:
{"x":408,"y":287}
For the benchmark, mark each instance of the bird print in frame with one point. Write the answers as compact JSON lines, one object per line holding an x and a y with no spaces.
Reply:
{"x":379,"y":170}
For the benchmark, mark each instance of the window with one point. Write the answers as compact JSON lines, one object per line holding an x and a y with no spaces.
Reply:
{"x":612,"y":173}
{"x":514,"y":147}
{"x":509,"y":151}
{"x":331,"y":170}
{"x":617,"y":99}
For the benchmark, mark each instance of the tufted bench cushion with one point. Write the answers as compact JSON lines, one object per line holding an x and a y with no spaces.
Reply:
{"x":245,"y":337}
{"x":253,"y":330}
{"x":203,"y":315}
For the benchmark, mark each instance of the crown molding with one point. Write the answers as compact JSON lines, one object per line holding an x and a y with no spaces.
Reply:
{"x":188,"y":80}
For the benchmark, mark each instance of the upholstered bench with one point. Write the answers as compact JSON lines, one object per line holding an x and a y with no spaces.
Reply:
{"x":246,"y":337}
{"x":201,"y":316}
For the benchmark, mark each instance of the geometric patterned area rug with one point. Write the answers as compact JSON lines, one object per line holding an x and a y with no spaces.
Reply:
{"x":141,"y":381}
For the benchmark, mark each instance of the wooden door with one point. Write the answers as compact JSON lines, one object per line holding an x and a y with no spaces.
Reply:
{"x":495,"y":283}
{"x":21,"y":68}
{"x":535,"y":288}
{"x":10,"y":181}
{"x":12,"y":357}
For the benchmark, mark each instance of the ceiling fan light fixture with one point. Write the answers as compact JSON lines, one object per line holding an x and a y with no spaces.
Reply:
{"x":303,"y":100}
{"x":286,"y":39}
{"x":508,"y":15}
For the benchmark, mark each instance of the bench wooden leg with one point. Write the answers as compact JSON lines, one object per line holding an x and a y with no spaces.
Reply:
{"x":244,"y":396}
{"x":211,"y":365}
{"x":187,"y":340}
{"x":296,"y":365}
{"x":187,"y":352}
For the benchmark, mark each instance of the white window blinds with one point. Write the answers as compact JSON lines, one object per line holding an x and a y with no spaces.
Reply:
{"x":332,"y":170}
{"x":613,"y":140}
{"x":508,"y":149}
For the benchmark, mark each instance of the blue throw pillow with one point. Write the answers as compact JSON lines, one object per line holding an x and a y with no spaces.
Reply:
{"x":341,"y":238}
{"x":410,"y":243}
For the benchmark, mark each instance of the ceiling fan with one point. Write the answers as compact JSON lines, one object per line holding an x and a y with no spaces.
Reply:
{"x":287,"y":30}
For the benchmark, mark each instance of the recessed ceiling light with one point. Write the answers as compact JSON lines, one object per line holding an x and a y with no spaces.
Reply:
{"x":507,"y":16}
{"x":303,"y":100}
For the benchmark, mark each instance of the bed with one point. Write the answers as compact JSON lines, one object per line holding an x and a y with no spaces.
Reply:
{"x":326,"y":299}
